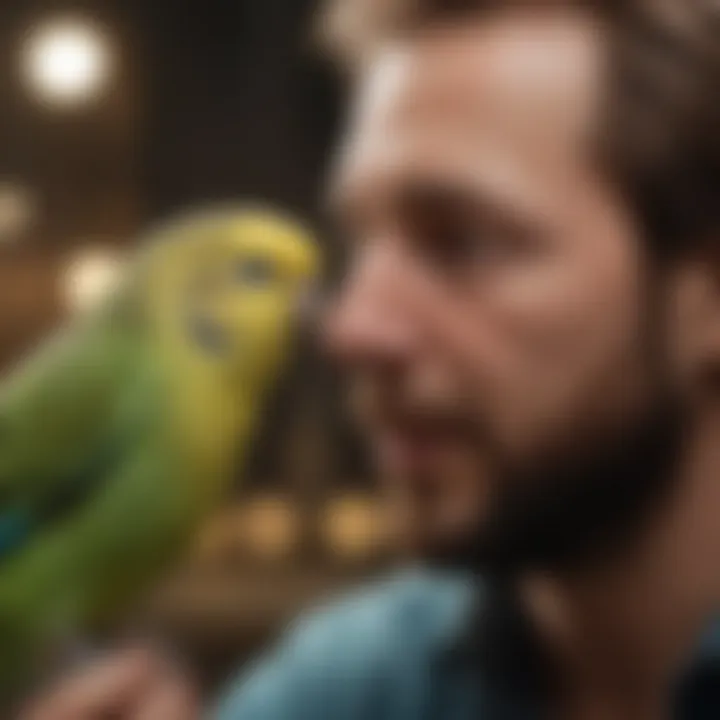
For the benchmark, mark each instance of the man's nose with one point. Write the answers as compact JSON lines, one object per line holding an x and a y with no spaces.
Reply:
{"x":370,"y":320}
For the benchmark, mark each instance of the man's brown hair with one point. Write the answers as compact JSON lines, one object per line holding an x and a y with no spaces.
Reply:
{"x":661,"y":130}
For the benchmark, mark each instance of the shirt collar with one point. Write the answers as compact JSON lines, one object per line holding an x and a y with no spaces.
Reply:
{"x":709,"y":647}
{"x":487,"y":628}
{"x":705,"y":660}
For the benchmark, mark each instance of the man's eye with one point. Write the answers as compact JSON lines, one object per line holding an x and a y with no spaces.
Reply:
{"x":458,"y":246}
{"x":255,"y":272}
{"x":477,"y":245}
{"x":466,"y":243}
{"x":484,"y":246}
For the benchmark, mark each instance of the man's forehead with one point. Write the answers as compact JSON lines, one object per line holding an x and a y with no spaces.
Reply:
{"x":529,"y":80}
{"x":521,"y":53}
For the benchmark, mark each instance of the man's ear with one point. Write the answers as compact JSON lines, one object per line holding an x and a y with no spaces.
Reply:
{"x":694,"y":317}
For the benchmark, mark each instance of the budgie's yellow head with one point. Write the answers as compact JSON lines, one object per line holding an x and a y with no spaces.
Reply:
{"x":228,"y":285}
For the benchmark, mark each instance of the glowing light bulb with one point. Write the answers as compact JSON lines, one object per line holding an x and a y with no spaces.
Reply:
{"x":67,"y":62}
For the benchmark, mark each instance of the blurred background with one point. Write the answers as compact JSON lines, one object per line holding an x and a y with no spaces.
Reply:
{"x":116,"y":113}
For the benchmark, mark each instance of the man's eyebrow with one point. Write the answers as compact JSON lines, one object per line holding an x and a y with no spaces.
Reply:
{"x":350,"y":208}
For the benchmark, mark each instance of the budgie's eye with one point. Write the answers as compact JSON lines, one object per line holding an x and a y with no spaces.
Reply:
{"x":255,"y":272}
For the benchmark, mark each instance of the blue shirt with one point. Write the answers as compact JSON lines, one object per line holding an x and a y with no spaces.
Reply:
{"x":390,"y":652}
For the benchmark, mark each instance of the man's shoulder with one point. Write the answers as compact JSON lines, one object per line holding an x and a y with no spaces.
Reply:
{"x":414,"y":608}
{"x":347,"y":652}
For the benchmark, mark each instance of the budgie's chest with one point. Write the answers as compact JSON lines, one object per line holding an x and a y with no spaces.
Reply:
{"x":79,"y":546}
{"x":136,"y":459}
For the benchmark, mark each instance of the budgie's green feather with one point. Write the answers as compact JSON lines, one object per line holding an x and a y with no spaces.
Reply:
{"x":120,"y":435}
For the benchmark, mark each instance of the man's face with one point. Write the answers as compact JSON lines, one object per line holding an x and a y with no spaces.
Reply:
{"x":494,"y":320}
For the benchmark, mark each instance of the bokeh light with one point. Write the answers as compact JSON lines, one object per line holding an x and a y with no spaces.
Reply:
{"x":270,"y":526}
{"x":353,"y":528}
{"x":18,"y":210}
{"x":89,"y":276}
{"x":67,"y":62}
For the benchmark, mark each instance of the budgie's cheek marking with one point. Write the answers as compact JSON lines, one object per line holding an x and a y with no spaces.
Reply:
{"x":209,"y":335}
{"x":255,"y":272}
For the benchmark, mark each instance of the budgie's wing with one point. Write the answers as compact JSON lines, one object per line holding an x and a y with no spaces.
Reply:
{"x":60,"y":438}
{"x":71,"y":571}
{"x":53,"y":402}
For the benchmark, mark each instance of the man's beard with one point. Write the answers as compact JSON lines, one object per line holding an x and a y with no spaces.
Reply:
{"x":580,"y":507}
{"x":574,"y":508}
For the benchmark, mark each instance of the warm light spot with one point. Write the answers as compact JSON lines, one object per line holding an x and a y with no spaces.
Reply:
{"x":67,"y":62}
{"x":270,"y":527}
{"x":89,"y":277}
{"x":353,"y":526}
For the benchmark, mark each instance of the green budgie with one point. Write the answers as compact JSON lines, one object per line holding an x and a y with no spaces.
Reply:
{"x":119,"y":436}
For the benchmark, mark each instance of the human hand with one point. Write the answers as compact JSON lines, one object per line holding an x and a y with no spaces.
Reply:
{"x":130,"y":685}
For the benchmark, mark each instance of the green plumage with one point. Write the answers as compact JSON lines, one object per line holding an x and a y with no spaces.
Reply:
{"x":120,"y":435}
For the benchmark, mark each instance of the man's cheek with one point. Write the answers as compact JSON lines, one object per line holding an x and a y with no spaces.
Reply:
{"x":546,"y":407}
{"x":526,"y":397}
{"x":541,"y":371}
